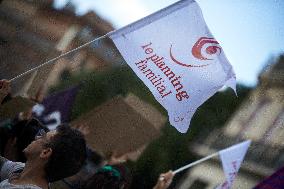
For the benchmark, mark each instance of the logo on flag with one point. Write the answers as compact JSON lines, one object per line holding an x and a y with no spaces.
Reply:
{"x":205,"y":48}
{"x":159,"y":60}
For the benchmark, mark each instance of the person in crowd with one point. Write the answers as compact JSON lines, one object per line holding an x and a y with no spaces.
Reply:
{"x":93,"y":162}
{"x":165,"y":180}
{"x":5,"y":133}
{"x":21,"y":135}
{"x":56,"y":155}
{"x":18,"y":132}
{"x":5,"y":90}
{"x":117,"y":177}
{"x":109,"y":176}
{"x":52,"y":156}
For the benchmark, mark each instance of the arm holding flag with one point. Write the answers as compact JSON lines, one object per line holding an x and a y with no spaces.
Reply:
{"x":231,"y":158}
{"x":164,"y":180}
{"x":4,"y":89}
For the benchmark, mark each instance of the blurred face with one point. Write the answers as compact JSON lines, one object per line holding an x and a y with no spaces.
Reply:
{"x":35,"y":148}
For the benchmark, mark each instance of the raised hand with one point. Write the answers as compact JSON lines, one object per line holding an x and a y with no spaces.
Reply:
{"x":5,"y":89}
{"x":164,"y":180}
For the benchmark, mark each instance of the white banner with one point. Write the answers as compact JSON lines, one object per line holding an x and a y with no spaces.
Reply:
{"x":173,"y":52}
{"x":231,"y":161}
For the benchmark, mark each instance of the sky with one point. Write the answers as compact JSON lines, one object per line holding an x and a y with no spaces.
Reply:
{"x":251,"y":32}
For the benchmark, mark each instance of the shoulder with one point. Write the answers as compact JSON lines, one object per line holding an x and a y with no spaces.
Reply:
{"x":9,"y":168}
{"x":2,"y":161}
{"x":6,"y":185}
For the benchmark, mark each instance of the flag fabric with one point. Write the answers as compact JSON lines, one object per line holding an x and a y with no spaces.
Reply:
{"x":275,"y":181}
{"x":56,"y":109}
{"x":173,"y":52}
{"x":232,"y":158}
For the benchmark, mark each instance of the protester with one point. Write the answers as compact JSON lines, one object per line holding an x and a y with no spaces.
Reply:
{"x":56,"y":155}
{"x":116,"y":177}
{"x":4,"y":96}
{"x":93,"y":162}
{"x":5,"y":89}
{"x":52,"y":156}
{"x":17,"y":132}
{"x":164,"y":180}
{"x":21,"y":135}
{"x":110,"y":176}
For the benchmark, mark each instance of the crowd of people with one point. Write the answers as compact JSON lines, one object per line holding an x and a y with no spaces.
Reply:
{"x":32,"y":157}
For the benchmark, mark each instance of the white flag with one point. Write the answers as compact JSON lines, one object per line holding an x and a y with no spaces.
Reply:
{"x":231,"y":161}
{"x":173,"y":52}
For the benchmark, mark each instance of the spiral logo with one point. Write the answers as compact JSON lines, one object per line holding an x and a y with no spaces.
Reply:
{"x":206,"y":49}
{"x":175,"y":60}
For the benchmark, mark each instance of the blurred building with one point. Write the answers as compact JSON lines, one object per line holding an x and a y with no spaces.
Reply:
{"x":33,"y":31}
{"x":261,"y":119}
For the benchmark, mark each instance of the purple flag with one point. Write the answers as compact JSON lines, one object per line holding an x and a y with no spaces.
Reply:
{"x":275,"y":181}
{"x":56,"y":109}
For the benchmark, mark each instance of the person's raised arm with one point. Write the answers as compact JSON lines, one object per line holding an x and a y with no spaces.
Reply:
{"x":4,"y":89}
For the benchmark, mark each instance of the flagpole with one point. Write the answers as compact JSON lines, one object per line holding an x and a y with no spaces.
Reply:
{"x":195,"y":163}
{"x":58,"y":57}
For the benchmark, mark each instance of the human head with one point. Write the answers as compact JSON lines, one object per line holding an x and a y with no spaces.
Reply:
{"x":63,"y":151}
{"x":25,"y":132}
{"x":115,"y":177}
{"x":68,"y":153}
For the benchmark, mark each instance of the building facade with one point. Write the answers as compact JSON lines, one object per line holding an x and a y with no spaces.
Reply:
{"x":260,"y":119}
{"x":32,"y":32}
